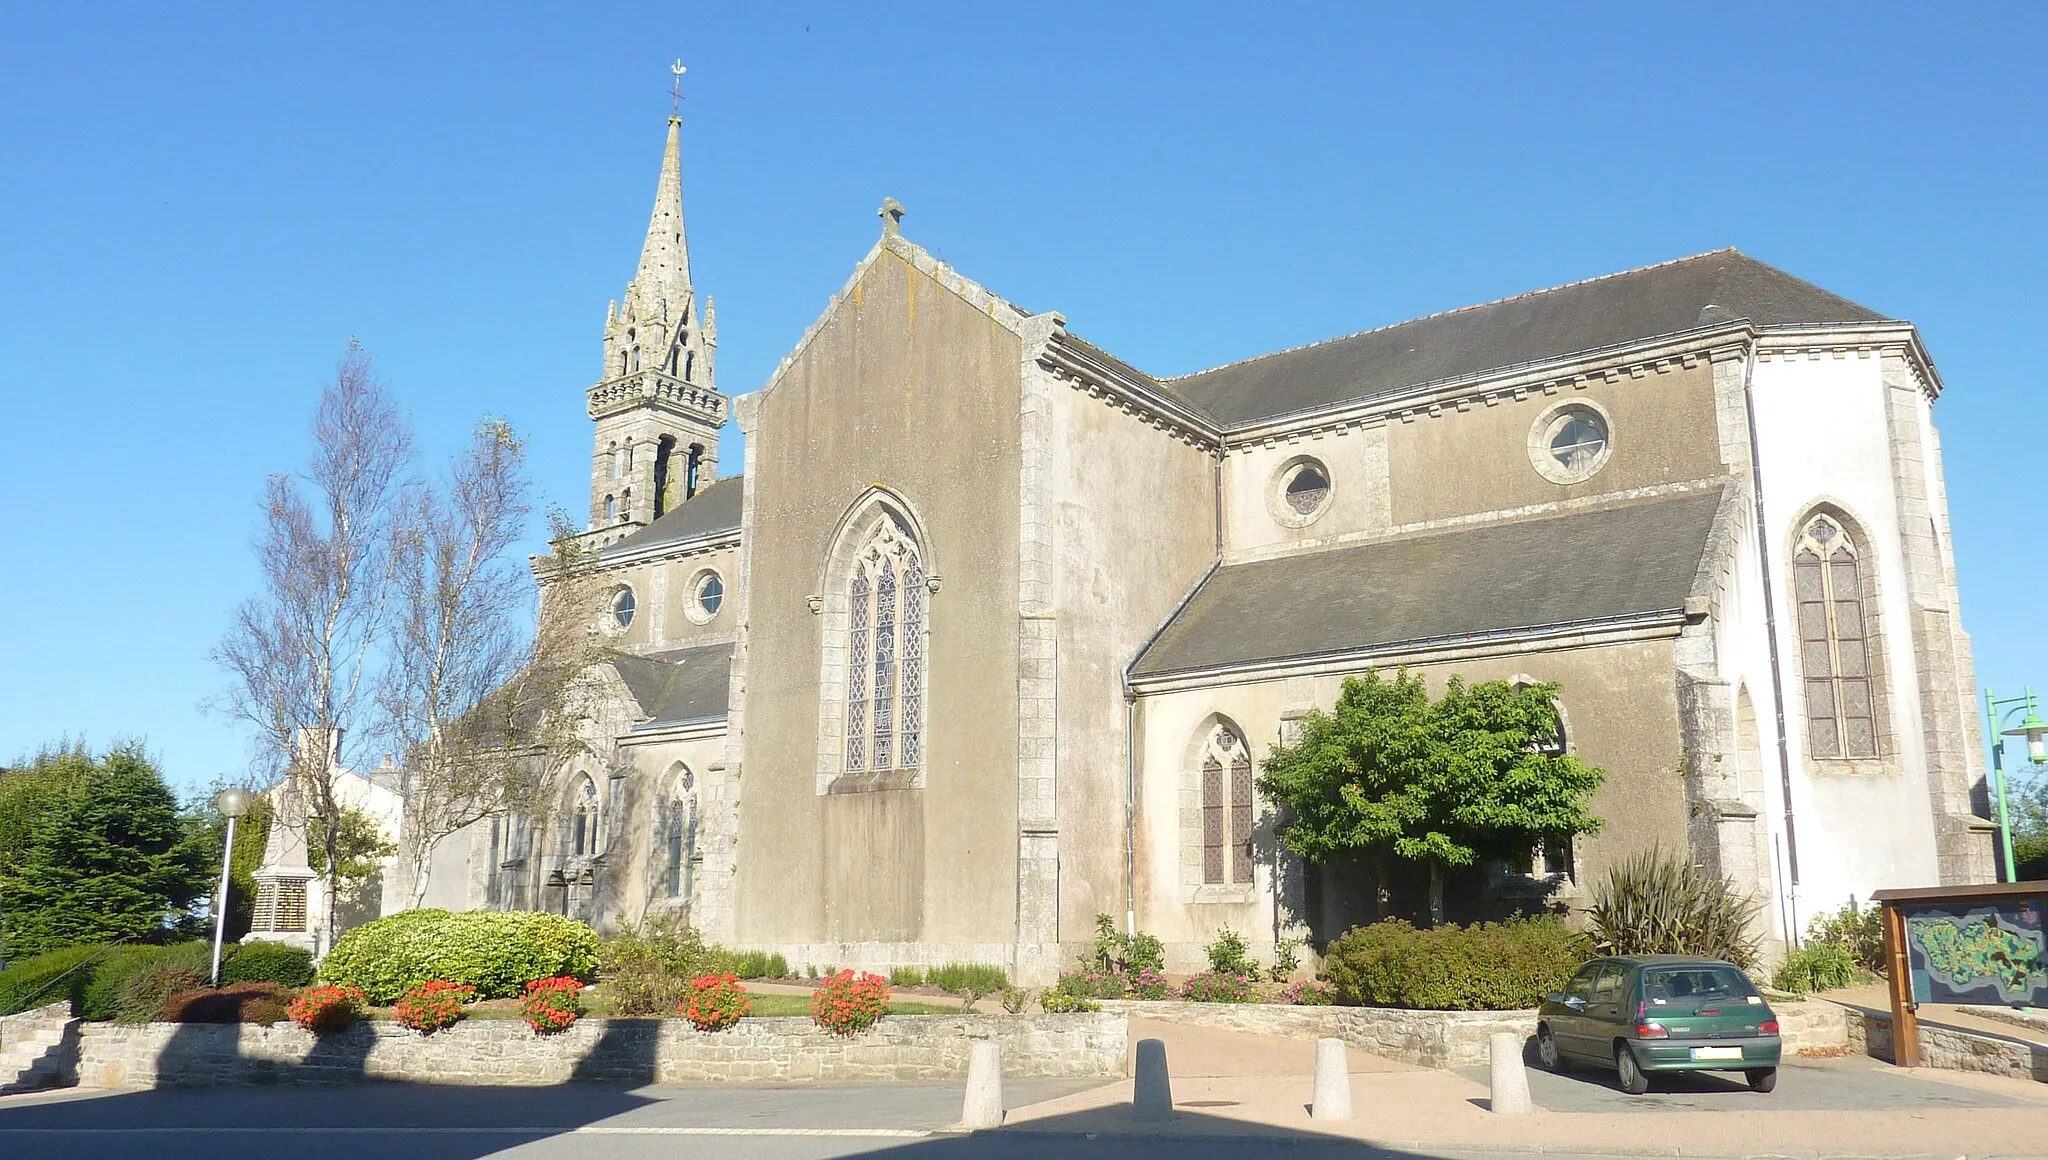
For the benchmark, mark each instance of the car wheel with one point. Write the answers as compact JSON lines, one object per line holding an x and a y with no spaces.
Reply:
{"x":1546,"y":1050}
{"x":1634,"y":1080}
{"x":1762,"y":1079}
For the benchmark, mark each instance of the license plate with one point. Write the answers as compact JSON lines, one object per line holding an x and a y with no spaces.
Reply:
{"x":1717,"y":1053}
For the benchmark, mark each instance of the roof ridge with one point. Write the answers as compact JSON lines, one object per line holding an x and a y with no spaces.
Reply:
{"x":1458,"y":310}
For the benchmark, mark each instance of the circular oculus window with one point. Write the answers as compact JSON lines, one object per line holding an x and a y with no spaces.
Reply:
{"x":1300,"y":491}
{"x":622,"y":609}
{"x":707,"y":593}
{"x":1570,"y":442}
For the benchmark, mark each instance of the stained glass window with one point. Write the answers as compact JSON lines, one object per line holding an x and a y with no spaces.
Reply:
{"x":885,"y":662}
{"x":1834,"y":645}
{"x":1227,"y":810}
{"x":857,"y":654}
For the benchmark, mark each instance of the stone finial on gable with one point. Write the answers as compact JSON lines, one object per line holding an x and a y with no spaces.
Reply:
{"x":891,"y":214}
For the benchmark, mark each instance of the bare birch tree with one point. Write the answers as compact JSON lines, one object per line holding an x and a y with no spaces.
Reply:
{"x":302,"y":654}
{"x":477,"y":700}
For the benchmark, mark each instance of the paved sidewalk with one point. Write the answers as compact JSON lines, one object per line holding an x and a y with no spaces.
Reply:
{"x":1845,"y":1107}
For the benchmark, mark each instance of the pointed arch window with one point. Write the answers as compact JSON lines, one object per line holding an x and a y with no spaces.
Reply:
{"x":885,"y":654}
{"x":678,"y":836}
{"x":1837,"y":652}
{"x":584,"y":819}
{"x":1226,"y":810}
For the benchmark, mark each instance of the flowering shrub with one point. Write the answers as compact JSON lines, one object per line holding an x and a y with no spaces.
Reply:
{"x":1309,"y":994}
{"x":551,"y":1005}
{"x":433,"y":1005}
{"x":850,"y":1001}
{"x":324,"y":1009}
{"x":1219,"y":987}
{"x":1147,"y":984}
{"x":263,"y":1003}
{"x":1061,"y":1003}
{"x":1092,"y":984}
{"x":716,"y":1002}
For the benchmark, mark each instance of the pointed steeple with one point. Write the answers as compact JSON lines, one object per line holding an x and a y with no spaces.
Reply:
{"x":664,"y":273}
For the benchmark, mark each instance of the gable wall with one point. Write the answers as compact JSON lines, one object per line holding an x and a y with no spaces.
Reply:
{"x":907,"y":386}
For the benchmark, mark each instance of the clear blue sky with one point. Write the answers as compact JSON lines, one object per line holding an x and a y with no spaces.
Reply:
{"x":199,"y":205}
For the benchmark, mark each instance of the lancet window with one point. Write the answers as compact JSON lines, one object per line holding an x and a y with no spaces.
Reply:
{"x":1837,"y":646}
{"x":885,"y":654}
{"x":1226,"y":809}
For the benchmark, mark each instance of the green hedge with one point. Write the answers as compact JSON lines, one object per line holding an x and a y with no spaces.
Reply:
{"x":130,"y":985}
{"x":22,"y":983}
{"x":497,"y":952}
{"x":267,"y":962}
{"x":1484,"y":967}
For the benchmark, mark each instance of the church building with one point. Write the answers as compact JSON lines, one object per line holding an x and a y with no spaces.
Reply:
{"x":988,"y":634}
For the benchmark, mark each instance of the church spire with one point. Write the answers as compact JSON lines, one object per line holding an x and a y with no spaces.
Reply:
{"x":664,"y":273}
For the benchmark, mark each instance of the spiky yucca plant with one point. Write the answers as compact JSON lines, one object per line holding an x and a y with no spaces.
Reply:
{"x":1656,"y":904}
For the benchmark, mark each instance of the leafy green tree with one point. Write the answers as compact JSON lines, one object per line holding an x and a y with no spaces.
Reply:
{"x":1390,"y":773}
{"x":110,"y":856}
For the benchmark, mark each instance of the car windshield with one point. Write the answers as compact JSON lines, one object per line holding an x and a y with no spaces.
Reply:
{"x":1691,"y":985}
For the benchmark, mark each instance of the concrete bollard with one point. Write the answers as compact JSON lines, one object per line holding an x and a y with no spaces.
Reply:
{"x":1509,"y":1083}
{"x":1333,"y":1081}
{"x":1151,"y":1091}
{"x":984,"y":1106}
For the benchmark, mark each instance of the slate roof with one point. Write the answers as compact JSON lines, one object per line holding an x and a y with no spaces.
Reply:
{"x":712,"y":510}
{"x":1594,"y":565}
{"x":690,"y":684}
{"x":1547,"y":324}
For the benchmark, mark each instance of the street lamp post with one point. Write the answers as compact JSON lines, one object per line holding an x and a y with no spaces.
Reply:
{"x":2035,"y":731}
{"x":232,"y":803}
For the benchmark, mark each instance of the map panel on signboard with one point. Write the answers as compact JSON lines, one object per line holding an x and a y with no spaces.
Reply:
{"x":1983,"y":953}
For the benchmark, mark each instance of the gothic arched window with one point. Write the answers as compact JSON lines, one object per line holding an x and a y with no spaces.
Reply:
{"x":1226,"y":809}
{"x":1837,"y":649}
{"x":885,"y":653}
{"x":584,"y":820}
{"x":677,"y":837}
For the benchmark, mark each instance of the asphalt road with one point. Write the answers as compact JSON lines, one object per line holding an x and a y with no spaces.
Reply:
{"x":394,"y":1122}
{"x":1850,"y":1084}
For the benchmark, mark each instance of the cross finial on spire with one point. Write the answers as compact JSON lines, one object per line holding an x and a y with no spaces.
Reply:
{"x":675,"y":104}
{"x":891,"y":214}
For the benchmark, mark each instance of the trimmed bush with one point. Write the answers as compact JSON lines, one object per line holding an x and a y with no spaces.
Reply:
{"x":261,"y":1003}
{"x":754,"y":964}
{"x":267,"y":962}
{"x":497,"y":952}
{"x":1821,"y":966}
{"x":23,"y":983}
{"x":906,"y":976}
{"x":1484,"y":967}
{"x":1061,"y":1003}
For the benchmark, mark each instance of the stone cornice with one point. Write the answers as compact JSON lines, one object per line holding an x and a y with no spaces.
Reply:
{"x":657,"y":389}
{"x":1099,"y":380}
{"x":654,"y":733}
{"x":652,"y":554}
{"x":1896,"y":339}
{"x":1471,"y":646}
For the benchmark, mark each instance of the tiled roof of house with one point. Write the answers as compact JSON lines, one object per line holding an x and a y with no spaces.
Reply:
{"x":712,"y":510}
{"x":689,"y":684}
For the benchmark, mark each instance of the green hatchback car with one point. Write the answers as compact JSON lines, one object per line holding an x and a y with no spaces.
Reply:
{"x":1641,"y":1014}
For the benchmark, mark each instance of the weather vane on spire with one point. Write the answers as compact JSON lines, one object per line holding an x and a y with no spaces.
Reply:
{"x":675,"y":106}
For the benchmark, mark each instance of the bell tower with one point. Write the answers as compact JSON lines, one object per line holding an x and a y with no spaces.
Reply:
{"x":656,"y":403}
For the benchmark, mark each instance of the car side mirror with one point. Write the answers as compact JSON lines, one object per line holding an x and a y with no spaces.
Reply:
{"x":1554,"y":997}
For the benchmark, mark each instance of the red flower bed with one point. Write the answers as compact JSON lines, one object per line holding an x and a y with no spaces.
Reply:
{"x":324,"y":1009}
{"x":850,"y":1002}
{"x":552,"y":1005}
{"x":716,"y":1002}
{"x":431,"y":1006}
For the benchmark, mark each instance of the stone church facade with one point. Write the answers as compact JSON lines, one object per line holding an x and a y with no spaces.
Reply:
{"x":990,"y":632}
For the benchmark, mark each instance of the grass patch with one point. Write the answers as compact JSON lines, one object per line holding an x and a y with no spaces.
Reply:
{"x":767,"y":1006}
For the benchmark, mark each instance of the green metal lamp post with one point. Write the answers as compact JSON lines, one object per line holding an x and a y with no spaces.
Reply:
{"x":2035,"y":731}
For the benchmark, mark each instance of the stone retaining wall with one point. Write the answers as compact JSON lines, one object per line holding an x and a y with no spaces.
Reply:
{"x":503,"y":1051}
{"x":1426,"y":1038}
{"x":1871,"y":1033}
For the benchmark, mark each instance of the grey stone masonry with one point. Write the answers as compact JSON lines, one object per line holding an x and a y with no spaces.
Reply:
{"x":36,"y":1048}
{"x":1950,"y":1048}
{"x":506,"y":1052}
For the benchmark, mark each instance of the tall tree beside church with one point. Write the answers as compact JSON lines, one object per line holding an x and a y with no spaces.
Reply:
{"x":476,"y":695}
{"x":107,"y":856}
{"x":1389,"y":773}
{"x":301,"y":654}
